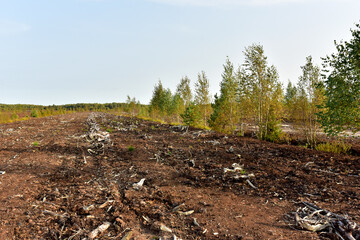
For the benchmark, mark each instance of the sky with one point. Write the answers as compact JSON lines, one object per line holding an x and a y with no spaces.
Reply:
{"x":100,"y":51}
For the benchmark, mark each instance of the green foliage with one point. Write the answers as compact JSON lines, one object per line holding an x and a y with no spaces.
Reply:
{"x":4,"y":117}
{"x":34,"y":113}
{"x":226,"y":112}
{"x":132,"y":106}
{"x":14,"y":116}
{"x":8,"y":112}
{"x":341,"y":110}
{"x":260,"y":92}
{"x":160,"y":103}
{"x":184,"y":91}
{"x":176,"y":107}
{"x":337,"y":147}
{"x":191,"y":116}
{"x":35,"y":144}
{"x":310,"y":94}
{"x":202,"y":98}
{"x":131,"y":148}
{"x":274,"y":132}
{"x":290,"y":100}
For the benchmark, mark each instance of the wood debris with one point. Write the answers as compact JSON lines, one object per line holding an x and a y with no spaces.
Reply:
{"x":97,"y":138}
{"x":100,"y":229}
{"x":312,"y":218}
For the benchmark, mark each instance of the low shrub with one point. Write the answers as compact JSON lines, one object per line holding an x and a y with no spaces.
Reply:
{"x":34,"y":114}
{"x":14,"y":116}
{"x":333,"y":147}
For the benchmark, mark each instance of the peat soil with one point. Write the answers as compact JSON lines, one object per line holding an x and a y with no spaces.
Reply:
{"x":53,"y":187}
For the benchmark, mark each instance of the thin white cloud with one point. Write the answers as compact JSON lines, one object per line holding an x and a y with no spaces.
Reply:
{"x":218,"y":3}
{"x":12,"y":28}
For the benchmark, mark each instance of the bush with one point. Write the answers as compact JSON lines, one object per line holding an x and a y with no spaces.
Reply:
{"x":14,"y":116}
{"x":274,"y":133}
{"x":4,"y":117}
{"x":336,"y":147}
{"x":191,"y":116}
{"x":34,"y":114}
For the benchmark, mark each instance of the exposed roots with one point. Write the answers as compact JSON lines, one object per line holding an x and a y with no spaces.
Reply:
{"x":312,"y":218}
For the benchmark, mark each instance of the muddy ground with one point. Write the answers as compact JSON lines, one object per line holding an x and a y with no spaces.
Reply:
{"x":54,"y":187}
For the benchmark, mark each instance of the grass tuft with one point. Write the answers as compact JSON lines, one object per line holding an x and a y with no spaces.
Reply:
{"x":337,"y":147}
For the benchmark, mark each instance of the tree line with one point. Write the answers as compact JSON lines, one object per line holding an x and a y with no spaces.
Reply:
{"x":18,"y":112}
{"x":324,"y":98}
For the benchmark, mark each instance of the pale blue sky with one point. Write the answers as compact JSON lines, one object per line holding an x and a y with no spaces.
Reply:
{"x":71,"y":51}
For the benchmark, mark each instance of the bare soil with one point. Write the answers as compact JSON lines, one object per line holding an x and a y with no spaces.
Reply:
{"x":53,"y":188}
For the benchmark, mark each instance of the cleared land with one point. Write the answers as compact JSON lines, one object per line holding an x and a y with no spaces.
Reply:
{"x":54,"y":188}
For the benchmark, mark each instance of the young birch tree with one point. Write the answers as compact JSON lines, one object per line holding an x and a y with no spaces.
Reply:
{"x":310,"y":95}
{"x":202,"y":98}
{"x":290,"y":101}
{"x":261,"y":90}
{"x":184,"y":91}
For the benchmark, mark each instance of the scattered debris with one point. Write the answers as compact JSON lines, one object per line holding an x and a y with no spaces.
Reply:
{"x":139,"y":184}
{"x":165,"y":228}
{"x":180,"y":128}
{"x":251,"y":185}
{"x":73,"y":201}
{"x":88,"y":208}
{"x":105,"y":204}
{"x":230,"y":150}
{"x":186,"y":213}
{"x":158,"y":226}
{"x":195,"y":222}
{"x":236,"y":167}
{"x":312,"y":218}
{"x":2,"y":172}
{"x":100,"y":229}
{"x":177,"y":208}
{"x":214,"y":142}
{"x":97,"y":139}
{"x":127,"y":236}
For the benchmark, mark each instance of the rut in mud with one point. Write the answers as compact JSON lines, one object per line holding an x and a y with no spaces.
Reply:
{"x":152,"y":180}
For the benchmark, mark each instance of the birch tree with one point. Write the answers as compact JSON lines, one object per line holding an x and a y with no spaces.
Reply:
{"x":310,"y":96}
{"x":202,"y":98}
{"x":261,"y":90}
{"x":184,"y":91}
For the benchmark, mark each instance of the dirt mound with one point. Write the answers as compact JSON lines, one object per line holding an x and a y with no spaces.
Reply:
{"x":147,"y":180}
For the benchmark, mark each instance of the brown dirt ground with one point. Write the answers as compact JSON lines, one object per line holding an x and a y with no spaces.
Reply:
{"x":48,"y":192}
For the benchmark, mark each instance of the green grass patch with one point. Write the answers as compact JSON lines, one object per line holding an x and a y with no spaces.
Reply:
{"x":109,"y":130}
{"x":334,"y":147}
